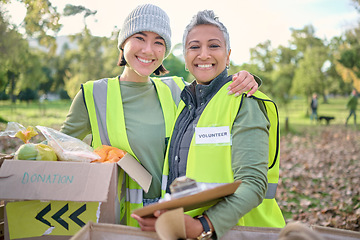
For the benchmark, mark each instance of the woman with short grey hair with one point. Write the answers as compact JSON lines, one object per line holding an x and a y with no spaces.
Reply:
{"x":218,"y":139}
{"x":203,"y":18}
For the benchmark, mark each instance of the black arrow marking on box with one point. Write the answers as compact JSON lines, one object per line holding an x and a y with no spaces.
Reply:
{"x":74,"y":215}
{"x":42,"y":213}
{"x":58,"y":214}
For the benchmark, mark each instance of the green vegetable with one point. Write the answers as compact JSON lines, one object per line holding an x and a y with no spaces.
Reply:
{"x":45,"y":153}
{"x":39,"y":152}
{"x":26,"y":151}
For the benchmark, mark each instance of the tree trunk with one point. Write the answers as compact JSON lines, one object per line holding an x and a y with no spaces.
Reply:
{"x":11,"y":77}
{"x":287,"y":124}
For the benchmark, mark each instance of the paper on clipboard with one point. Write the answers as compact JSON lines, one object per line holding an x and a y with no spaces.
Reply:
{"x":197,"y":200}
{"x":171,"y":225}
{"x":136,"y":171}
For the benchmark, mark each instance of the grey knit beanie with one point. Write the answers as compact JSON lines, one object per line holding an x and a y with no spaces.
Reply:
{"x":150,"y":18}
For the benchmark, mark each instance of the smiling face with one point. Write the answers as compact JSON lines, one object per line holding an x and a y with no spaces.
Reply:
{"x":144,"y":52}
{"x":205,"y":53}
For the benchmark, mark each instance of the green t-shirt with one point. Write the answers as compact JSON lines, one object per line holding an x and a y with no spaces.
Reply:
{"x":145,"y":127}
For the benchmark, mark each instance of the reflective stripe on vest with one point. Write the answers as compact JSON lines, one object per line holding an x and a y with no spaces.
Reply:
{"x":222,"y":111}
{"x":134,"y":196}
{"x":274,"y":139}
{"x":104,"y":104}
{"x":176,"y":85}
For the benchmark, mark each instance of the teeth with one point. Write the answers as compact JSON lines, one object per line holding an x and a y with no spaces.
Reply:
{"x":144,"y":60}
{"x":204,"y":65}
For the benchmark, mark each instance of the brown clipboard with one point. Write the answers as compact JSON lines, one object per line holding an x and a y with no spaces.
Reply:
{"x":197,"y":200}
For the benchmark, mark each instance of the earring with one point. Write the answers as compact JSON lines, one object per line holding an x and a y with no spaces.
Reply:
{"x":227,"y":66}
{"x":186,"y":69}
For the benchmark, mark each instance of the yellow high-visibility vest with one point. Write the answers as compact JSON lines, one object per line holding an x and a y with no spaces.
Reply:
{"x":104,"y":104}
{"x":203,"y":164}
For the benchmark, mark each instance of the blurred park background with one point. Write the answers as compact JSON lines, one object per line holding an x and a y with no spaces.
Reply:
{"x":40,"y":72}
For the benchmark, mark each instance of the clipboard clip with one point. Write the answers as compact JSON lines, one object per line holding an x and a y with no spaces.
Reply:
{"x":184,"y":186}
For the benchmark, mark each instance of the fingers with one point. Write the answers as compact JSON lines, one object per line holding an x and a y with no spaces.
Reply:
{"x":252,"y":91}
{"x":136,"y":217}
{"x":240,"y":81}
{"x":157,"y":213}
{"x":146,"y":224}
{"x":243,"y":82}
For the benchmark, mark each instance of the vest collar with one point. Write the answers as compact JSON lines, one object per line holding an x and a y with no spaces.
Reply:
{"x":198,"y":94}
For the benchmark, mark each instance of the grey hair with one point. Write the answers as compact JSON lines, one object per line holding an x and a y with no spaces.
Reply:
{"x":206,"y":17}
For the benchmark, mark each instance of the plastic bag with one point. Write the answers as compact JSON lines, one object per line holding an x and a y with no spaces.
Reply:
{"x":14,"y":129}
{"x":11,"y":129}
{"x":38,"y":152}
{"x":68,"y":148}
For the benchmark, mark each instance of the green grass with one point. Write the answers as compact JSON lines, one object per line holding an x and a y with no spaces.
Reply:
{"x":299,"y":118}
{"x":50,"y":113}
{"x":53,"y":113}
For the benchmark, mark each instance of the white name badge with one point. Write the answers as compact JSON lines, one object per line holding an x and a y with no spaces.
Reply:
{"x":209,"y":135}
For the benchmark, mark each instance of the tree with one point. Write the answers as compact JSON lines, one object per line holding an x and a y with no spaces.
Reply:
{"x":263,"y":56}
{"x":41,"y":22}
{"x":356,"y":4}
{"x":71,"y":10}
{"x":175,"y":66}
{"x":262,"y":63}
{"x":337,"y":85}
{"x":309,"y":76}
{"x":86,"y":61}
{"x":286,"y":61}
{"x":283,"y":82}
{"x":348,"y":64}
{"x":111,"y":55}
{"x":302,"y":39}
{"x":14,"y":51}
{"x":33,"y":73}
{"x":347,"y":54}
{"x":27,"y":95}
{"x":18,"y":64}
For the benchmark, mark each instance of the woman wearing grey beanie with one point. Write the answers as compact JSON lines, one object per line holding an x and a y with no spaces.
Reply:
{"x":132,"y":111}
{"x":218,"y":139}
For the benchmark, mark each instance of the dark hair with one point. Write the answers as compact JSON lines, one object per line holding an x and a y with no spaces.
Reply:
{"x":161,"y":70}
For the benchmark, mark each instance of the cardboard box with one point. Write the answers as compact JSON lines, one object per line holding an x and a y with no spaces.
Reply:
{"x":101,"y":231}
{"x":54,"y":200}
{"x":104,"y":231}
{"x":260,"y":233}
{"x":2,"y":213}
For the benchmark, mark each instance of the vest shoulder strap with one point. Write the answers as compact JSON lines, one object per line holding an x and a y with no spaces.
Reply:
{"x":175,"y":84}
